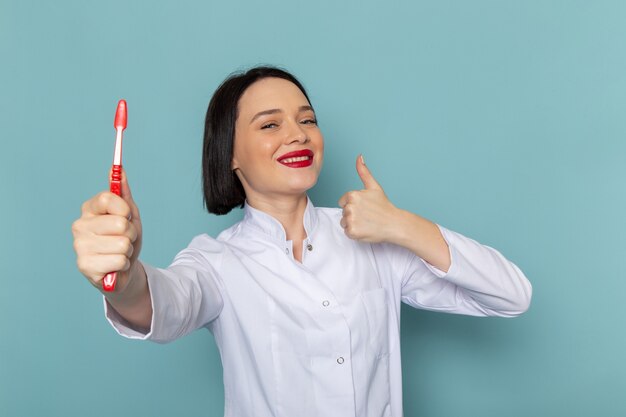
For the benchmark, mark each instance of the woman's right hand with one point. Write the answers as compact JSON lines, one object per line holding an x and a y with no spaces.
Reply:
{"x":107,"y":237}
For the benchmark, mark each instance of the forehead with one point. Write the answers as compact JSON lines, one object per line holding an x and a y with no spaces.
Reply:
{"x":271,"y":93}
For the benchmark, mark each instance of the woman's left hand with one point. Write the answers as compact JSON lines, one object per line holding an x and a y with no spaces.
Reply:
{"x":368,"y":215}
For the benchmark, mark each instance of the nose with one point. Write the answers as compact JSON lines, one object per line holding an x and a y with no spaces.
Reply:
{"x":297,"y":134}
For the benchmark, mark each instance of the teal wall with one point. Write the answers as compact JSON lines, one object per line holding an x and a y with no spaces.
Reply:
{"x":502,"y":120}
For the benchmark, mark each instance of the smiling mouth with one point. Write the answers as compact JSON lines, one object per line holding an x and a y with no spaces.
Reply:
{"x":297,"y":159}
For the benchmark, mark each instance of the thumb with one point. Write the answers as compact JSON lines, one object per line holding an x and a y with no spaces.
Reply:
{"x":366,"y":176}
{"x":128,"y":196}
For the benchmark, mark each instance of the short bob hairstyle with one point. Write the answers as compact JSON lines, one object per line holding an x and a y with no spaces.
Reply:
{"x":221,"y":186}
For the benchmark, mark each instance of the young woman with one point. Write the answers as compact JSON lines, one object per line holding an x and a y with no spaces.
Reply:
{"x":303,"y":302}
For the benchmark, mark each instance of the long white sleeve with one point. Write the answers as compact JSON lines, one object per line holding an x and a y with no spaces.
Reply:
{"x":479,"y":282}
{"x":185,"y":296}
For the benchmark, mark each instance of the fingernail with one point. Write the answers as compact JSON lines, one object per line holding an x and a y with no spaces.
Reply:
{"x":362,"y":160}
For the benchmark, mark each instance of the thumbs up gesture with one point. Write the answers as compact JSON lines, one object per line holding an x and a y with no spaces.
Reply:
{"x":368,"y":215}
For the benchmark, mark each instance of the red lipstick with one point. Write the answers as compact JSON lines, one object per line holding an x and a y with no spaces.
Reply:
{"x":304,"y":158}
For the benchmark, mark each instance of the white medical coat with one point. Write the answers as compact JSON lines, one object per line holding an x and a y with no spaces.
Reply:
{"x":318,"y":338}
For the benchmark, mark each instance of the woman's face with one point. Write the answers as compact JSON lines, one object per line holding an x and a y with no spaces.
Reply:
{"x":278,"y":148}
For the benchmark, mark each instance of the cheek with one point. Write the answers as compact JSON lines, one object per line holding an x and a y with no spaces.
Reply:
{"x":255,"y":153}
{"x":267,"y":148}
{"x":320,"y":150}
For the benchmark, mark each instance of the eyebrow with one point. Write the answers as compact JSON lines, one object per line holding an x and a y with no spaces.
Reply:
{"x":274,"y":111}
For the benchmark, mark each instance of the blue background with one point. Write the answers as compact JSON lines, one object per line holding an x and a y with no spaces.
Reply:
{"x":502,"y":120}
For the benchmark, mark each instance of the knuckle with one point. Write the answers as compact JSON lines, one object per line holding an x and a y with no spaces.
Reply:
{"x":121,"y":224}
{"x":76,"y":227}
{"x":95,"y":281}
{"x":126,"y":266}
{"x":94,"y":278}
{"x":81,"y":264}
{"x":117,"y":262}
{"x":104,"y":198}
{"x":121,"y":263}
{"x":108,"y":201}
{"x":78,"y":245}
{"x":124,"y":244}
{"x":133,"y":233}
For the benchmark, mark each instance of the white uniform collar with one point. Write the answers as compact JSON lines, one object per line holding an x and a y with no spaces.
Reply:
{"x":272,"y":227}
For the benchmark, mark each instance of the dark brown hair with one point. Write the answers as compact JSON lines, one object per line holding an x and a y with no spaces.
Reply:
{"x":221,"y":186}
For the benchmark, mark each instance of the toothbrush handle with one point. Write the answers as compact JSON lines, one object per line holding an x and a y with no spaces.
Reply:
{"x":115,"y":183}
{"x":116,"y":180}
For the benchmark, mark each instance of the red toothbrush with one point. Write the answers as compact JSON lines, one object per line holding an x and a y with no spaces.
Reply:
{"x":115,"y":182}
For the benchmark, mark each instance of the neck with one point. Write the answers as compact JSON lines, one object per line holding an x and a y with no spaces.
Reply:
{"x":288,"y":210}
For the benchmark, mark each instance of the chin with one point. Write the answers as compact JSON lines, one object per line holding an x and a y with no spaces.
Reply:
{"x":302,"y":185}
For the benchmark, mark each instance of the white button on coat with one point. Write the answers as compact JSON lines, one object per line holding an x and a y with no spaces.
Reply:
{"x":279,"y":348}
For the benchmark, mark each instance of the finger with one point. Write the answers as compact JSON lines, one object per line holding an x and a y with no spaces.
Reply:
{"x":106,"y":203}
{"x":343,"y":222}
{"x":110,"y":225}
{"x":97,"y":266}
{"x":105,"y":245}
{"x":343,"y":200}
{"x":366,"y":176}
{"x":349,"y":197}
